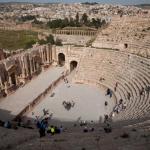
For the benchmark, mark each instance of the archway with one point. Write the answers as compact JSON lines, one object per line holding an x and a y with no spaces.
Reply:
{"x":61,"y":59}
{"x":126,"y":45}
{"x":73,"y":65}
{"x":13,"y":78}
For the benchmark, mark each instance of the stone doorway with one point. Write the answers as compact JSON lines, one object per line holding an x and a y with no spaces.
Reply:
{"x":73,"y":65}
{"x":13,"y":78}
{"x":61,"y":59}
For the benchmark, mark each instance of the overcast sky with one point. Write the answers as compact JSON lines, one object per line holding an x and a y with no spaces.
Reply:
{"x":100,"y":1}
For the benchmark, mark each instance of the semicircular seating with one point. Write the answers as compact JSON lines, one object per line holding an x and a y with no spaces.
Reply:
{"x":131,"y":72}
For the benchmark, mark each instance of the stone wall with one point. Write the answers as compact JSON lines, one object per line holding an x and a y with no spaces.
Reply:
{"x":130,"y":34}
{"x":16,"y":70}
{"x":2,"y":54}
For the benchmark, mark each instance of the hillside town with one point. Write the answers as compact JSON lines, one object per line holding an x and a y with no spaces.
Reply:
{"x":45,"y":12}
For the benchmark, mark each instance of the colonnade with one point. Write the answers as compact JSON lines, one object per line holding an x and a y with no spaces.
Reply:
{"x":17,"y":70}
{"x":76,"y":32}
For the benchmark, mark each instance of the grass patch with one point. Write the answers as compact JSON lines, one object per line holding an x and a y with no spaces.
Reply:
{"x":13,"y":40}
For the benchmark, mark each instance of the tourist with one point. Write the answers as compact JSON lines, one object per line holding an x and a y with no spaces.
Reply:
{"x":2,"y":123}
{"x":115,"y":109}
{"x":107,"y":128}
{"x":61,"y":129}
{"x":110,"y":94}
{"x":116,"y":85}
{"x":115,"y":88}
{"x":38,"y":124}
{"x":120,"y":101}
{"x":108,"y":91}
{"x":91,"y":129}
{"x":42,"y":131}
{"x":52,"y":130}
{"x":142,"y":91}
{"x":147,"y":89}
{"x":85,"y":129}
{"x":83,"y":123}
{"x":124,"y":105}
{"x":101,"y":79}
{"x":7,"y":124}
{"x":129,"y":96}
{"x":106,"y":118}
{"x":45,"y":112}
{"x":67,"y":80}
{"x":106,"y":103}
{"x":113,"y":114}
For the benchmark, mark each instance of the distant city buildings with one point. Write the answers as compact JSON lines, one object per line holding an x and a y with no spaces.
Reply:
{"x":46,"y":12}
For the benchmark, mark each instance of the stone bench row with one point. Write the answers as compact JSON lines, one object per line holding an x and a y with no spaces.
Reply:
{"x":140,"y":80}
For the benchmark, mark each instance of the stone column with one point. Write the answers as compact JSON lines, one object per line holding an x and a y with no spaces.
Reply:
{"x":23,"y":68}
{"x":54,"y":57}
{"x":30,"y":63}
{"x":42,"y":56}
{"x":1,"y":85}
{"x":26,"y":67}
{"x":48,"y":53}
{"x":10,"y":81}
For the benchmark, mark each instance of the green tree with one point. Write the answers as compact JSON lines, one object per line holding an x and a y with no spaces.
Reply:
{"x":58,"y":42}
{"x":72,"y":22}
{"x":50,"y":39}
{"x":42,"y":41}
{"x":65,"y":22}
{"x":84,"y":18}
{"x":77,"y":19}
{"x":29,"y":44}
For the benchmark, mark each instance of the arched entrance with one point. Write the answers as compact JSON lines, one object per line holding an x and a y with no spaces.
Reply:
{"x":73,"y":65}
{"x":61,"y":59}
{"x":13,"y":78}
{"x":126,"y":45}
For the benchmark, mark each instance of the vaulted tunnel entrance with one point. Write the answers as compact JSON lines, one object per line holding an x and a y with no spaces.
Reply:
{"x":13,"y":78}
{"x":61,"y":59}
{"x":73,"y":65}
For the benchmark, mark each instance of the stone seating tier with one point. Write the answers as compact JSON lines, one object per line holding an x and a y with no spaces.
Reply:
{"x":130,"y":71}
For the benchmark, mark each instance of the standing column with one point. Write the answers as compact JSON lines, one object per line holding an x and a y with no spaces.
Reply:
{"x":30,"y":64}
{"x":33,"y":62}
{"x":47,"y":54}
{"x":26,"y":67}
{"x":1,"y":85}
{"x":23,"y":68}
{"x":9,"y":80}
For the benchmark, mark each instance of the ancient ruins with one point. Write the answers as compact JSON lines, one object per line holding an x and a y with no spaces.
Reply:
{"x":119,"y":54}
{"x":91,"y":91}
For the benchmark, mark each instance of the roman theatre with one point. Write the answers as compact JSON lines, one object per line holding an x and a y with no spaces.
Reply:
{"x":71,"y":82}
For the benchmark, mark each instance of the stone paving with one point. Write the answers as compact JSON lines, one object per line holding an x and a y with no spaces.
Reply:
{"x":15,"y":102}
{"x":89,"y":103}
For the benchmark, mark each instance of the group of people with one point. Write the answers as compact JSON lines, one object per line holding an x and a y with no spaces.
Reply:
{"x":107,"y":124}
{"x":66,"y":80}
{"x":15,"y":124}
{"x":44,"y":128}
{"x":116,"y":85}
{"x":145,"y":90}
{"x":68,"y":105}
{"x":87,"y":127}
{"x":120,"y":106}
{"x":109,"y":92}
{"x":6,"y":124}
